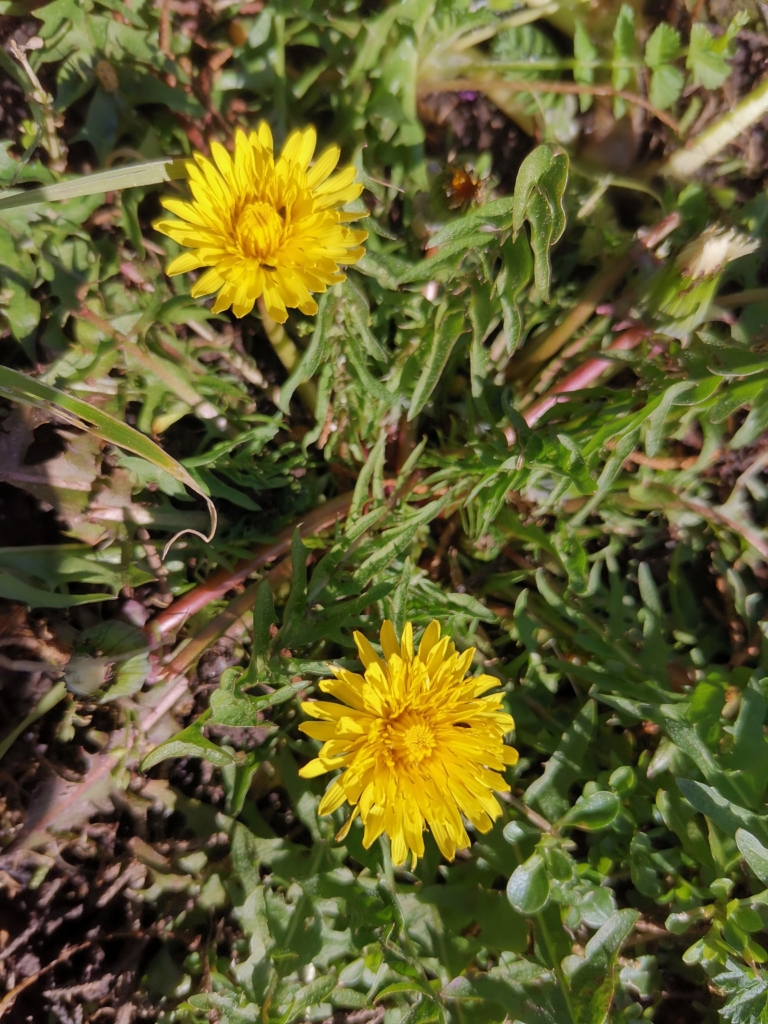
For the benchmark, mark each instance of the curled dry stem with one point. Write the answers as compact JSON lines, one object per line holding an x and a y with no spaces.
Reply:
{"x":43,"y":99}
{"x":171,"y":619}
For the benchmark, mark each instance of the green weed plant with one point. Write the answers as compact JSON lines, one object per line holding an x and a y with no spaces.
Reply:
{"x":607,"y":558}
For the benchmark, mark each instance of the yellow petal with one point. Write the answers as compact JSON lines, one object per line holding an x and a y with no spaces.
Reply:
{"x":509,"y":755}
{"x":333,"y":799}
{"x":265,"y":137}
{"x":367,"y":654}
{"x":388,"y":638}
{"x":312,"y":769}
{"x":183,"y":264}
{"x":209,"y":282}
{"x":323,"y":166}
{"x":300,"y":146}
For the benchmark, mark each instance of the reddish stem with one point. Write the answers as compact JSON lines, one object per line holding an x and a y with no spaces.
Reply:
{"x":585,"y":375}
{"x":171,"y":619}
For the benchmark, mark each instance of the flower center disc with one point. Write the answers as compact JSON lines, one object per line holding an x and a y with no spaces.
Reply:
{"x":259,"y":230}
{"x":411,"y":738}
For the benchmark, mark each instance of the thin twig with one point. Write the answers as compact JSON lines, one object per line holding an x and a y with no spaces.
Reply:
{"x":755,"y":467}
{"x":56,"y":148}
{"x":531,"y":815}
{"x":568,"y":88}
{"x":720,"y":515}
{"x":10,"y":997}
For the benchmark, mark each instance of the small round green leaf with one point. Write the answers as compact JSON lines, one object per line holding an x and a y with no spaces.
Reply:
{"x":528,"y":888}
{"x":623,"y":780}
{"x":592,"y":812}
{"x":514,"y":832}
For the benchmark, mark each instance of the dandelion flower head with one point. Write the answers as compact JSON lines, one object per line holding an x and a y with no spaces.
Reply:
{"x":419,"y":744}
{"x":265,"y":227}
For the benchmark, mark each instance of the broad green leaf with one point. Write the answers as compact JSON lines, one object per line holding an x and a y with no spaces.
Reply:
{"x":14,"y":589}
{"x":426,"y":1010}
{"x":658,"y":417}
{"x":666,"y":86}
{"x":296,"y":605}
{"x":549,"y":793}
{"x":368,"y":383}
{"x":495,"y":215}
{"x":397,"y":541}
{"x":229,"y":706}
{"x":515,"y":273}
{"x":237,"y":780}
{"x":310,"y":361}
{"x":680,"y":818}
{"x":705,"y":60}
{"x":726,"y":814}
{"x":624,"y":48}
{"x":592,"y":979}
{"x":447,"y":258}
{"x":263,"y":618}
{"x":481,"y":314}
{"x":190,"y":742}
{"x":539,"y":191}
{"x":754,"y":853}
{"x":315,"y":992}
{"x":532,"y":170}
{"x":749,"y":752}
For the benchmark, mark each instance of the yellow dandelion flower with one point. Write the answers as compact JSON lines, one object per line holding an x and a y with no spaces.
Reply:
{"x":419,"y":744}
{"x":264,"y":226}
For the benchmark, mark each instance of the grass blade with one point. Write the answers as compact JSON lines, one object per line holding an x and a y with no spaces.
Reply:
{"x":152,"y":173}
{"x":21,"y":388}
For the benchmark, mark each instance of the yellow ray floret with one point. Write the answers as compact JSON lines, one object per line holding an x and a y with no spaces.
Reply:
{"x":420,"y":745}
{"x":265,"y":227}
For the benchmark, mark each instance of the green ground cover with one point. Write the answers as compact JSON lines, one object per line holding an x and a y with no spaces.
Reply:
{"x":536,"y":410}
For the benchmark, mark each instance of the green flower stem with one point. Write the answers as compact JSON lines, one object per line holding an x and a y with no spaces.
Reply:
{"x":288,"y":354}
{"x":386,"y":854}
{"x":745,"y":298}
{"x":554,"y":64}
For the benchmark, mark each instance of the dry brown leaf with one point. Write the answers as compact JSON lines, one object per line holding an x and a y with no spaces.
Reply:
{"x":65,"y":480}
{"x":59,"y":806}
